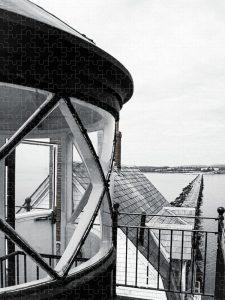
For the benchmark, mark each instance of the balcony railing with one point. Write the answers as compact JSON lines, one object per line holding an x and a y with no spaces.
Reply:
{"x":21,"y":268}
{"x":168,"y":257}
{"x":176,"y":259}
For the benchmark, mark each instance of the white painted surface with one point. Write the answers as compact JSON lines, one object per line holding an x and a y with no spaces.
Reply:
{"x":39,"y":234}
{"x":142,"y":272}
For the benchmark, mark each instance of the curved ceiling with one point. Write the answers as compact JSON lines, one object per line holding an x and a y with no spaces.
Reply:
{"x":41,"y":51}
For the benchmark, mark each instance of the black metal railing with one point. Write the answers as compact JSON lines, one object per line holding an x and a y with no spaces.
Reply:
{"x":5,"y":272}
{"x":177,"y":256}
{"x":22,"y":267}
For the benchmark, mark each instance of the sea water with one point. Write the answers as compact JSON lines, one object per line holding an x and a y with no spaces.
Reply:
{"x":170,"y":186}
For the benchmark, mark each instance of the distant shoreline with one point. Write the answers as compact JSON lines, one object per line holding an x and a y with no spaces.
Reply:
{"x":184,"y":172}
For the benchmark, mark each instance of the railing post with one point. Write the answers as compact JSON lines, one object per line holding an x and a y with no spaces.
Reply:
{"x":220,"y":259}
{"x":115,"y":223}
{"x":11,"y":171}
{"x":142,"y":229}
{"x":114,"y":239}
{"x":220,"y":211}
{"x":28,"y":204}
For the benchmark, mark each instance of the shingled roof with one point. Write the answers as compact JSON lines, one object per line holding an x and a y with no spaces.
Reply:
{"x":80,"y":174}
{"x":136,"y":194}
{"x":176,"y":225}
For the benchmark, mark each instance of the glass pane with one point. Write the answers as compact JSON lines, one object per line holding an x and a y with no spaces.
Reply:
{"x":37,"y":192}
{"x":17,"y":104}
{"x":68,"y":183}
{"x":100,"y":126}
{"x":81,"y":179}
{"x":32,"y":174}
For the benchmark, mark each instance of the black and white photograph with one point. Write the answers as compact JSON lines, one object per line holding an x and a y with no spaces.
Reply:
{"x":112,"y":149}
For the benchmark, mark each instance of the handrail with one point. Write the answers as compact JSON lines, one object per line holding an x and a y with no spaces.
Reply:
{"x":164,"y":245}
{"x":53,"y":256}
{"x":44,"y":255}
{"x":11,"y":255}
{"x":20,"y":242}
{"x":157,"y":227}
{"x":170,"y":216}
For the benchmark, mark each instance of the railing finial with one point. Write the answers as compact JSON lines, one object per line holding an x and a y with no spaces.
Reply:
{"x":221,"y":210}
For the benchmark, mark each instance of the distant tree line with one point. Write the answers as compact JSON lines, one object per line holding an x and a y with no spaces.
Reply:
{"x":182,"y":169}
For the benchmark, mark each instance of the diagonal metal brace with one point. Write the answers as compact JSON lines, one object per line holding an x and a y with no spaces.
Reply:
{"x":20,"y":242}
{"x":38,"y":116}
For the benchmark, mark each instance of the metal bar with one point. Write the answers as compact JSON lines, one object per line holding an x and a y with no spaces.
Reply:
{"x":72,"y":259}
{"x":112,"y":155}
{"x":148,"y":249}
{"x":171,"y":250}
{"x":40,"y":143}
{"x":115,"y":224}
{"x":37,"y":273}
{"x":163,"y":290}
{"x":192,"y":260}
{"x":204,"y":269}
{"x":25,"y":267}
{"x":81,"y":204}
{"x":76,"y":118}
{"x":181,"y":260}
{"x":42,"y":112}
{"x":20,"y":242}
{"x":10,"y":255}
{"x":164,"y":228}
{"x":53,"y":256}
{"x":158,"y":270}
{"x":220,"y":259}
{"x":126,"y":255}
{"x":95,"y":224}
{"x":1,"y":267}
{"x":5,"y":274}
{"x":10,"y":200}
{"x":17,"y":269}
{"x":82,"y":259}
{"x":74,"y":122}
{"x":142,"y":232}
{"x":136,"y":267}
{"x":170,"y":216}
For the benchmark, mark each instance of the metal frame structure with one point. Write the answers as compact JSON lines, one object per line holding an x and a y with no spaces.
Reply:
{"x":81,"y":140}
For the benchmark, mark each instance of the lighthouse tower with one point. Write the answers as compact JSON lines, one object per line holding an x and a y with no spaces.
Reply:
{"x":60,"y":98}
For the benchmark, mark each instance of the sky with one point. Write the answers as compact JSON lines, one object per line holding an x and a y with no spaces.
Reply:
{"x":175,"y":52}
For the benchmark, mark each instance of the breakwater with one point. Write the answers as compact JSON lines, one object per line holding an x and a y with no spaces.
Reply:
{"x":191,"y":195}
